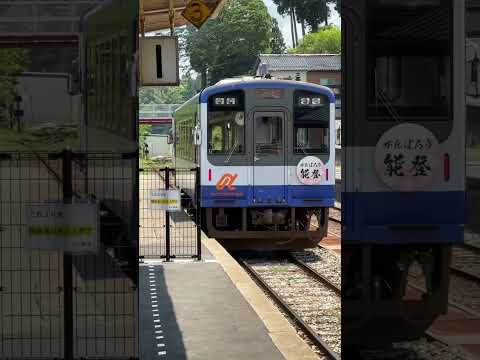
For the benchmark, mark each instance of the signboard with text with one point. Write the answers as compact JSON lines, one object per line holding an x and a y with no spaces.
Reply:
{"x":165,"y":200}
{"x":310,"y":170}
{"x":72,"y":228}
{"x":407,"y":158}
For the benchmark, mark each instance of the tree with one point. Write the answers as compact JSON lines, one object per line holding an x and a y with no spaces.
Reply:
{"x":229,"y":45}
{"x":277,"y":44}
{"x":326,"y":41}
{"x":12,"y":63}
{"x":286,"y":7}
{"x":312,"y":12}
{"x":169,"y":94}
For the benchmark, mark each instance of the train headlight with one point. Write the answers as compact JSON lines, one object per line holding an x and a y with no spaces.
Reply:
{"x":316,"y":101}
{"x":231,"y":101}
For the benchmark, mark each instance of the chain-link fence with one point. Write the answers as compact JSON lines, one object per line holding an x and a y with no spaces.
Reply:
{"x":169,"y":234}
{"x":54,"y":305}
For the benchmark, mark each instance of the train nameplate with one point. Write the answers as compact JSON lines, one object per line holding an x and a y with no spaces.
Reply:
{"x":407,"y":158}
{"x":310,"y":170}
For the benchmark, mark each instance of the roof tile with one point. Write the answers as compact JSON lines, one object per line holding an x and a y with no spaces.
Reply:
{"x":300,"y":62}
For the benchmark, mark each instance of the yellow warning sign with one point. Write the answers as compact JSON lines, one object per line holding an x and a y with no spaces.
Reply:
{"x":197,"y":12}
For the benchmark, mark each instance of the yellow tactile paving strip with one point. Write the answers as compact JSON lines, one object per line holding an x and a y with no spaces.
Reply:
{"x":280,"y":330}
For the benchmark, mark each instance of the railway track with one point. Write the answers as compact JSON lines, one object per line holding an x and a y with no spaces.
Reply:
{"x":334,"y":217}
{"x":465,"y":262}
{"x":310,"y":322}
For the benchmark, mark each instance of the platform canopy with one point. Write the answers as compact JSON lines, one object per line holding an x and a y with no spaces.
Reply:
{"x":43,"y":16}
{"x":156,"y":13}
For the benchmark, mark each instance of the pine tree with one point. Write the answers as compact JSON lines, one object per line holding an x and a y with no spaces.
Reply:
{"x":277,"y":44}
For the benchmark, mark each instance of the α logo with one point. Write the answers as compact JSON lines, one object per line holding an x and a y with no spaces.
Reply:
{"x":226,"y":181}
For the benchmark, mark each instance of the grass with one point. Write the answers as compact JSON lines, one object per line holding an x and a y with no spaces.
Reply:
{"x":155,"y":164}
{"x":12,"y":141}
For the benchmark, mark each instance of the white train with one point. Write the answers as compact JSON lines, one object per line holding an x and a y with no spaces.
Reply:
{"x":266,"y":152}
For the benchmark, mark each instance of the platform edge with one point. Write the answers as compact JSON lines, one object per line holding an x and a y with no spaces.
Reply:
{"x":283,"y":334}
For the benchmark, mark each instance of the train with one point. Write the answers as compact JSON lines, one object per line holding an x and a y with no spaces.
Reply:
{"x":403,"y":163}
{"x":266,"y":156}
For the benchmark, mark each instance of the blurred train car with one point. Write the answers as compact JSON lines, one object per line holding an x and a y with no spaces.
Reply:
{"x":403,"y":169}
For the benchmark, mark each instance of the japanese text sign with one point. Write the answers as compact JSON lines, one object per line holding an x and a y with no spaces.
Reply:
{"x":407,"y":157}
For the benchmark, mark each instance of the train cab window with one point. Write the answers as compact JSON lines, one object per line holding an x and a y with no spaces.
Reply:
{"x":226,"y":132}
{"x":409,"y":67}
{"x":311,"y":123}
{"x":226,"y":124}
{"x":268,"y":134}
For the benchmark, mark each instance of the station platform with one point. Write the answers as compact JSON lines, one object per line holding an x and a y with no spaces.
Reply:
{"x":211,"y":309}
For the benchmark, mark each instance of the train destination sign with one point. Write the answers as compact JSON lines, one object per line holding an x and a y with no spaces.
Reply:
{"x":72,"y":228}
{"x":168,"y":200}
{"x":407,"y":158}
{"x":310,"y":170}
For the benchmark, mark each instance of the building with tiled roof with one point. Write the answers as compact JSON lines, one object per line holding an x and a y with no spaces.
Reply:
{"x":322,"y":69}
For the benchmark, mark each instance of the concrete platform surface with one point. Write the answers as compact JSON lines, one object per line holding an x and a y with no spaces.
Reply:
{"x":192,"y":310}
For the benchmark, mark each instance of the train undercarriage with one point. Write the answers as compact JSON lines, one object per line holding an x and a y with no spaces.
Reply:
{"x":261,"y":228}
{"x":392,"y":293}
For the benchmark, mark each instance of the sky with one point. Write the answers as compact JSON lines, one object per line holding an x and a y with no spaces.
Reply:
{"x":284,"y":22}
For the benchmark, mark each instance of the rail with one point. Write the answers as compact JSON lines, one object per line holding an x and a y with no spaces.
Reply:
{"x":292,"y":314}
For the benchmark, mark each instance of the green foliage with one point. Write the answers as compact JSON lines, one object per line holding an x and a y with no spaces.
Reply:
{"x":169,"y":94}
{"x":312,"y":12}
{"x":277,"y":44}
{"x":229,"y":45}
{"x":143,"y":131}
{"x":12,"y":63}
{"x":326,"y":41}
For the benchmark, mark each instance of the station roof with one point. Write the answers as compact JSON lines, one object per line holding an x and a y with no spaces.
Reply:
{"x":156,"y":12}
{"x":43,"y":16}
{"x":300,"y":62}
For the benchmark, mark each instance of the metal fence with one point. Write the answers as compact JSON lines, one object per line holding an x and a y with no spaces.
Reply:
{"x":59,"y":306}
{"x":148,"y":111}
{"x":167,"y":234}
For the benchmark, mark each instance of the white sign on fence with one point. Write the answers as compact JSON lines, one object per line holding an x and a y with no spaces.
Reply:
{"x":165,"y":200}
{"x":72,"y":228}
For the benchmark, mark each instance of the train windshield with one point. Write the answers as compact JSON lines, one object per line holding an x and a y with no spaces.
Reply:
{"x":409,"y":66}
{"x":311,"y":123}
{"x":226,"y":123}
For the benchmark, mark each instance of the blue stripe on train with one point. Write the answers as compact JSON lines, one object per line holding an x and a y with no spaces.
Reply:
{"x":271,"y":196}
{"x":403,"y":217}
{"x":270,"y":84}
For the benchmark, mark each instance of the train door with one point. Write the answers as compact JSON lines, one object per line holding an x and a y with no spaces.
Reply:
{"x":269,"y":157}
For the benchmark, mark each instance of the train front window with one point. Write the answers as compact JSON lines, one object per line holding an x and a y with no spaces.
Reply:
{"x":310,"y":140}
{"x":226,"y":132}
{"x":311,"y":123}
{"x":409,"y":67}
{"x":226,"y":123}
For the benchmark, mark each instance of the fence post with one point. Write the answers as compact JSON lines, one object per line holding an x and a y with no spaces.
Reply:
{"x":67,"y":261}
{"x":167,"y":217}
{"x":198,"y":212}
